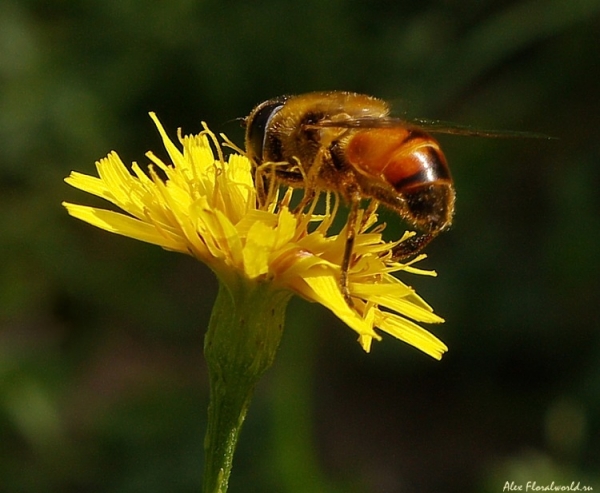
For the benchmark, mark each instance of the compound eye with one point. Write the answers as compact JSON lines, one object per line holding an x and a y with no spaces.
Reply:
{"x":257,"y":125}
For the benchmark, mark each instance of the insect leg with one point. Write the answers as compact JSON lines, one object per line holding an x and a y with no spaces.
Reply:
{"x":310,"y":179}
{"x":265,"y":182}
{"x":412,"y":245}
{"x":348,"y":249}
{"x":261,"y":186}
{"x":369,"y":211}
{"x":269,"y":176}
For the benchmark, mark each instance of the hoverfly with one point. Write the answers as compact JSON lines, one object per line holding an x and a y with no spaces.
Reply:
{"x":348,"y":143}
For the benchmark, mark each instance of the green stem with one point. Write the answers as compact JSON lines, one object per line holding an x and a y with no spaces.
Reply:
{"x":243,"y":336}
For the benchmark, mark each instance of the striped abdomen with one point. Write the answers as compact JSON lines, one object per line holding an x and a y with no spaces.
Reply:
{"x":411,"y":162}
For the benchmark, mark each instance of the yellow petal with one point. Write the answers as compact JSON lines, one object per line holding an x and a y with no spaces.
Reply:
{"x":175,"y":154}
{"x":126,"y":226}
{"x":89,"y":184}
{"x":371,"y":290}
{"x":285,"y":230}
{"x":325,"y":290}
{"x":409,"y":309}
{"x":257,"y":250}
{"x":413,"y":334}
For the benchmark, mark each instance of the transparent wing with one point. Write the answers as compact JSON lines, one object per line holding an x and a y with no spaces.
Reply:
{"x":430,"y":126}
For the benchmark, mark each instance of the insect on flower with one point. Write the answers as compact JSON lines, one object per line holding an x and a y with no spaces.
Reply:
{"x":347,"y":143}
{"x":199,"y":203}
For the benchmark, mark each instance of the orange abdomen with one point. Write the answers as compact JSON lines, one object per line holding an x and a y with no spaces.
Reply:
{"x":403,"y":158}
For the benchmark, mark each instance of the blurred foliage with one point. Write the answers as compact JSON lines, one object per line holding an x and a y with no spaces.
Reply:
{"x":102,"y":381}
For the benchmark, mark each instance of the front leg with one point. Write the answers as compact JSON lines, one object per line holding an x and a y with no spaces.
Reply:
{"x":311,"y":178}
{"x":268,"y":176}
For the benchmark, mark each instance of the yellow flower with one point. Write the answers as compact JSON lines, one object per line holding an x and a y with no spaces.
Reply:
{"x":205,"y":206}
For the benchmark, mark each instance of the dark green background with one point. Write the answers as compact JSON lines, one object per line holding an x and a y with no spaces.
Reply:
{"x":103,"y":385}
